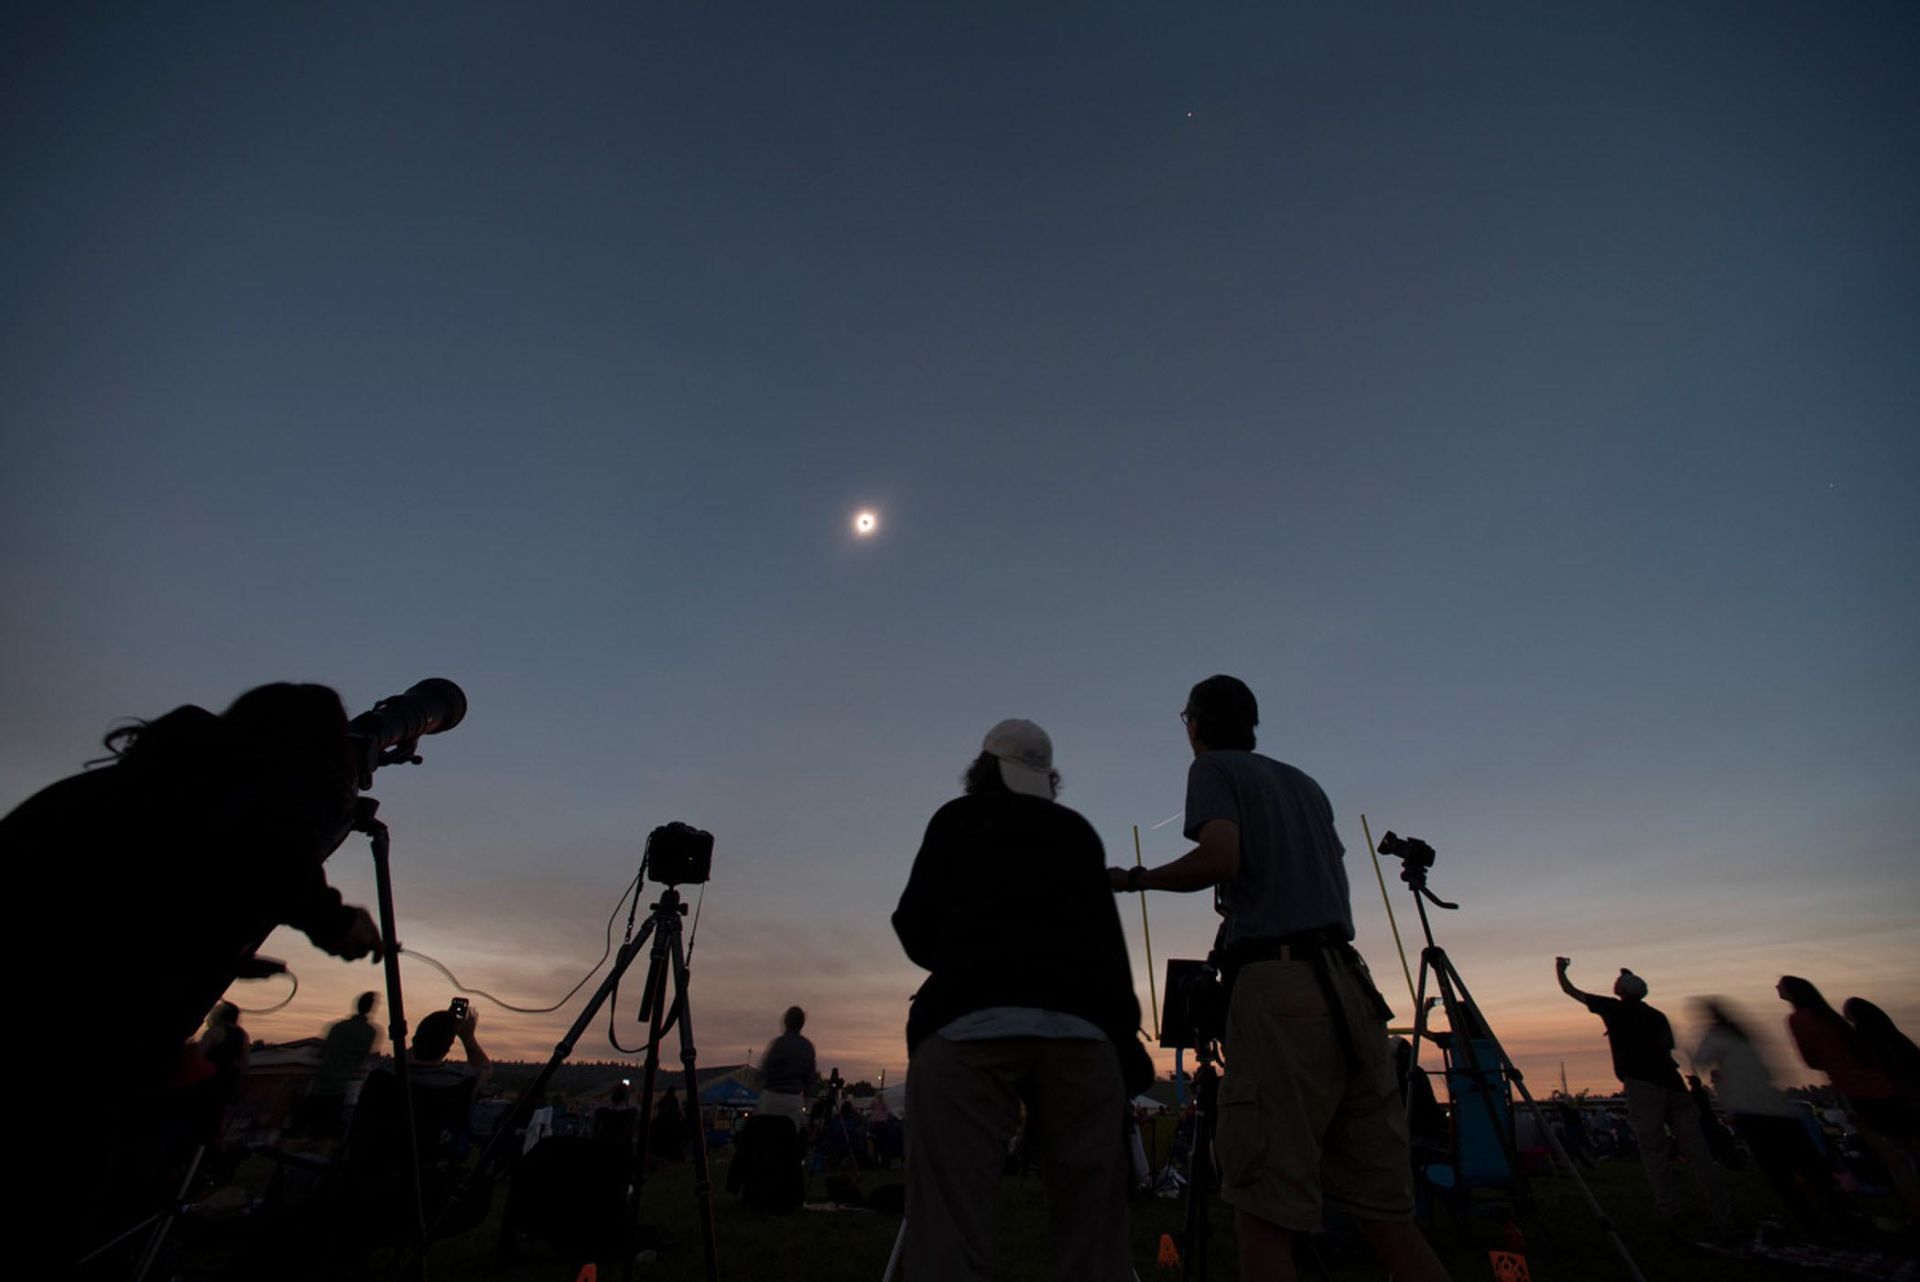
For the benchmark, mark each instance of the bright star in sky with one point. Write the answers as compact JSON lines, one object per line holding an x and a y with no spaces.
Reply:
{"x":865,"y":523}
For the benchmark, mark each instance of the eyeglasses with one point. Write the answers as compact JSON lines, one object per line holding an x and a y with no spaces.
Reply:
{"x":1186,"y":717}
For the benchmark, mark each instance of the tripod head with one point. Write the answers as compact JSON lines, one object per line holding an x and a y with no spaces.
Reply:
{"x":663,"y":924}
{"x":1416,"y":861}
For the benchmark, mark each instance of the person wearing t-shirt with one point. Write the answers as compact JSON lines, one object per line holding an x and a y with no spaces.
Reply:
{"x":435,"y":1037}
{"x":343,"y":1065}
{"x":1657,"y":1101}
{"x":1311,"y":1117}
{"x":786,"y":1071}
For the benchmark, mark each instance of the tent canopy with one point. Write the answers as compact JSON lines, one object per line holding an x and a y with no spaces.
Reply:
{"x":729,"y":1093}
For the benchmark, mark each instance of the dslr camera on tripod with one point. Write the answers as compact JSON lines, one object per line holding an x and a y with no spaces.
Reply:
{"x":1411,"y":851}
{"x":679,"y":854}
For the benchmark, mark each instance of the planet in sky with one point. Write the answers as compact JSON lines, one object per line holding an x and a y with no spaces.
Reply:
{"x":866,"y":523}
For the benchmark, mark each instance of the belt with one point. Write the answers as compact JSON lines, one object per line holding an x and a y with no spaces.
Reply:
{"x":1300,"y":946}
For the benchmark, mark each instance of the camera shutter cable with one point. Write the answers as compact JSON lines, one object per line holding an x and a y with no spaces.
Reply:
{"x":694,"y":934}
{"x":534,"y":1010}
{"x":282,"y":1004}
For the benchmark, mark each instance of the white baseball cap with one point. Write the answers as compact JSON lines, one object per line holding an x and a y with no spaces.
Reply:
{"x":1025,"y":755}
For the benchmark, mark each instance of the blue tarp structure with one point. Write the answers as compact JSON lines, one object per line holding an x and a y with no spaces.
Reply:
{"x":729,"y":1093}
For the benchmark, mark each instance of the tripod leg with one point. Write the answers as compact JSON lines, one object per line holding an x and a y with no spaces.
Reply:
{"x":655,"y":1008}
{"x":1467,"y":1025}
{"x":165,"y":1220}
{"x":397,"y":1031}
{"x":893,"y":1258}
{"x":1420,"y":1030}
{"x":133,"y":1230}
{"x":702,"y":1182}
{"x":1200,"y":1167}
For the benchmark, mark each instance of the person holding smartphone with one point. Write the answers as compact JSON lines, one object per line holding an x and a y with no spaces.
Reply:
{"x":434,"y":1039}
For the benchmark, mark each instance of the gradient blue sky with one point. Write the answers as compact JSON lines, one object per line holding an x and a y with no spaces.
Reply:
{"x":1521,"y":399}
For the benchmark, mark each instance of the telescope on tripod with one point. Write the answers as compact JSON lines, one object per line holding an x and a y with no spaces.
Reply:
{"x":388,"y":734}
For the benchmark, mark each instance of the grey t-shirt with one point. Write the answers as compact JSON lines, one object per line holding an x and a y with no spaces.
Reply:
{"x":1293,"y":875}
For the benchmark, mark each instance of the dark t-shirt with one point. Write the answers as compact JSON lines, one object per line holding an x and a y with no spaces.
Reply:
{"x":1293,"y":875}
{"x":788,"y":1065}
{"x":1641,"y":1041}
{"x":440,"y":1075}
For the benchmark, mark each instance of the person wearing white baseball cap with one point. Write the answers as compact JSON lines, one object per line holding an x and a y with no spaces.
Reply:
{"x":1029,"y":1003}
{"x":1023,"y":754}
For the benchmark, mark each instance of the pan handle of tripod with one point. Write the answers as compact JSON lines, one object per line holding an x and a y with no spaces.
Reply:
{"x":650,"y":996}
{"x":1433,"y":898}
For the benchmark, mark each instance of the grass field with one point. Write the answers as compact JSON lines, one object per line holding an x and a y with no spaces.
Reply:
{"x":1563,"y":1240}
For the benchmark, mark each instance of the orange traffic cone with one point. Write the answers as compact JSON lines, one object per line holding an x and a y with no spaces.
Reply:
{"x":1169,"y":1253}
{"x":1508,"y":1267}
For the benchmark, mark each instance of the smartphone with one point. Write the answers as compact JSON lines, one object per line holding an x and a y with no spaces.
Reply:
{"x":459,"y":1011}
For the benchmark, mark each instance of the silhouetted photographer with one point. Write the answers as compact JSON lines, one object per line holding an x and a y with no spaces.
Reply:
{"x":1311,"y":1114}
{"x":171,"y":862}
{"x":174,"y":860}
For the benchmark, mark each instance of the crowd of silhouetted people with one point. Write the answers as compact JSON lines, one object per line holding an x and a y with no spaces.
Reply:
{"x":1726,"y":1114}
{"x":212,"y":831}
{"x":1874,"y":1074}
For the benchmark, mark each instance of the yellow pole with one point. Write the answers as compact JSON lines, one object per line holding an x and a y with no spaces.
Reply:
{"x":1152,"y":990}
{"x":1381,"y":878}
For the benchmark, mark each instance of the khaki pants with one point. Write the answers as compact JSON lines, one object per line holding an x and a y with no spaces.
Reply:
{"x":1303,"y":1126}
{"x":1651,"y":1110}
{"x":963,"y":1106}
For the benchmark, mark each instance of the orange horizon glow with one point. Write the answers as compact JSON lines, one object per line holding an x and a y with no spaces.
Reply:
{"x":1543,"y":1030}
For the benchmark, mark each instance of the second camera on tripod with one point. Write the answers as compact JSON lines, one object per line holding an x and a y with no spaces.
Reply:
{"x":679,"y":854}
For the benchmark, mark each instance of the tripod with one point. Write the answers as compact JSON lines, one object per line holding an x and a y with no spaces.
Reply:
{"x":364,"y":821}
{"x":667,"y":963}
{"x":836,"y":1124}
{"x":1200,"y":1168}
{"x":1466,"y":1025}
{"x":1194,"y":1017}
{"x":161,"y":1222}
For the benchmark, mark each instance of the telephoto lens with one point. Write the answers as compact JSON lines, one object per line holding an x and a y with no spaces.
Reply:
{"x":387,"y":733}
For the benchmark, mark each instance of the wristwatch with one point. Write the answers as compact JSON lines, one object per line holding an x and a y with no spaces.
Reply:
{"x":1134,"y":874}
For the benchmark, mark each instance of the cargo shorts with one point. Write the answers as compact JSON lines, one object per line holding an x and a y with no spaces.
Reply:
{"x":1303,"y":1127}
